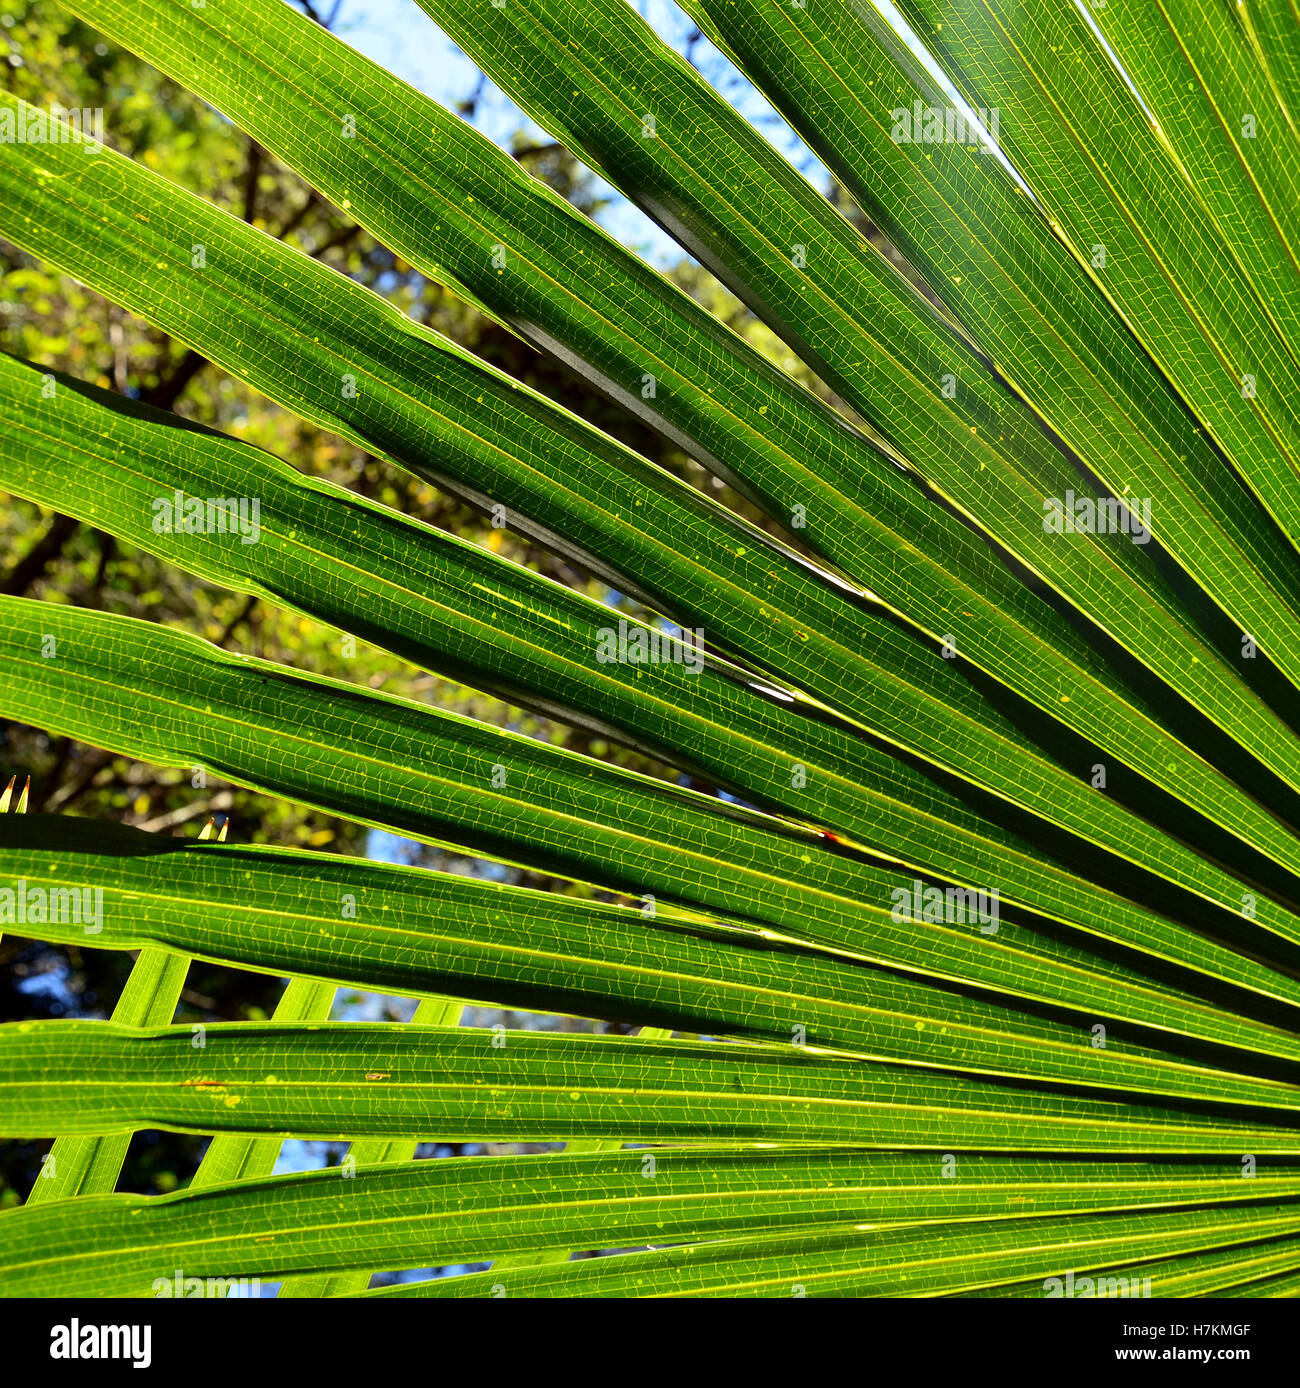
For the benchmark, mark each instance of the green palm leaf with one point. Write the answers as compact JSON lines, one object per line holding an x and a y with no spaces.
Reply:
{"x":1217,"y":317}
{"x":420,"y":1213}
{"x":957,"y":1017}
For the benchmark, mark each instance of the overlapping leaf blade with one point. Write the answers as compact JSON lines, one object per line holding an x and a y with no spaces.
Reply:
{"x":1105,"y":178}
{"x":422,"y":933}
{"x":867,"y":1262}
{"x":849,"y":84}
{"x":771,"y":924}
{"x":217,"y":63}
{"x":345,"y":1079}
{"x":427,"y":1213}
{"x":401,"y":576}
{"x":714,"y":182}
{"x":396,"y":765}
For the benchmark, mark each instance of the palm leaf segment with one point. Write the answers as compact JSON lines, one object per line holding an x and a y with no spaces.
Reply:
{"x":990,"y":953}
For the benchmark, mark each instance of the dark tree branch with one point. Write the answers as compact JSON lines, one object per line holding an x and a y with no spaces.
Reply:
{"x":312,"y":200}
{"x":469,"y":107}
{"x":535,"y":149}
{"x":165,"y":394}
{"x":56,"y":772}
{"x":334,"y":242}
{"x":107,"y":548}
{"x":251,"y":174}
{"x":56,"y":796}
{"x":241,"y":616}
{"x":41,"y":555}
